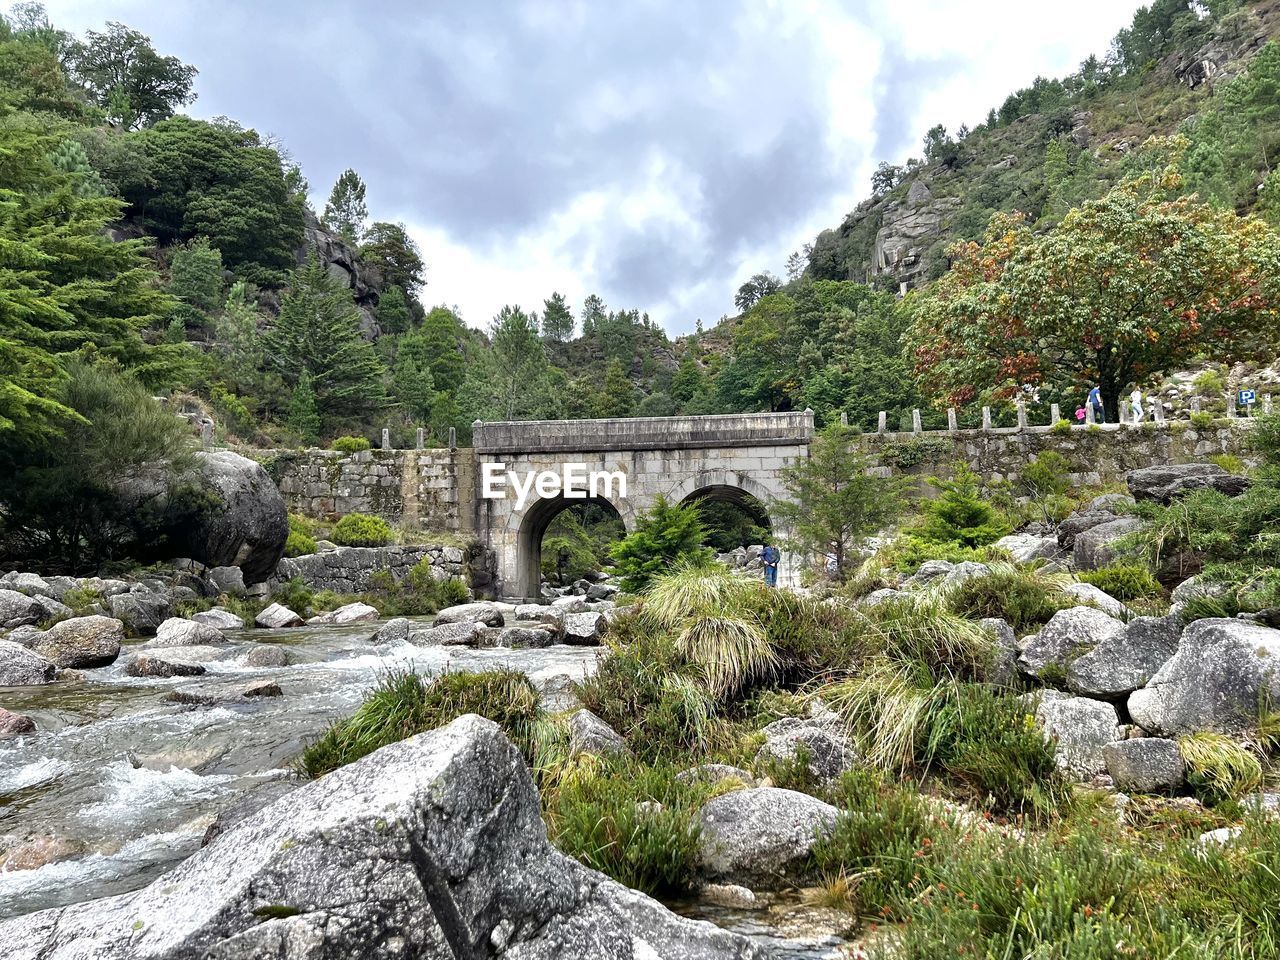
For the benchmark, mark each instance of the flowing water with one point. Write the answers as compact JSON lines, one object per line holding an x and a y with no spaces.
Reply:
{"x":121,"y":782}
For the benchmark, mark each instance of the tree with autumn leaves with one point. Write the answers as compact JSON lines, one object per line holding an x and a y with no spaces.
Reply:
{"x":1125,"y":288}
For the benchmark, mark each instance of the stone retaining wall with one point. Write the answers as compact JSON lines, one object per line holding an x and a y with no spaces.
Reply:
{"x":352,"y":569}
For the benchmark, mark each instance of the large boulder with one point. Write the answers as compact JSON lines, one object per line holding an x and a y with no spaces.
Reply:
{"x":20,"y":667}
{"x":1095,"y":548}
{"x":396,"y":630}
{"x":1068,"y":634}
{"x":466,"y":633}
{"x":17,"y":609}
{"x":347,"y":614}
{"x":159,"y":665}
{"x":590,"y":735}
{"x":249,"y":526}
{"x":141,"y":611}
{"x":432,"y":847}
{"x":1088,"y":594}
{"x":32,"y":584}
{"x":219,"y":619}
{"x":1215,"y":681}
{"x":1080,"y":728}
{"x":824,"y":747}
{"x":1024,"y":548}
{"x":1004,"y":668}
{"x":583,"y":629}
{"x":483,"y":612}
{"x":177,"y":632}
{"x":1124,"y":661}
{"x":275,"y":617}
{"x":759,"y":833}
{"x":1145,"y":765}
{"x":517,"y":636}
{"x":1166,"y":483}
{"x":81,"y":642}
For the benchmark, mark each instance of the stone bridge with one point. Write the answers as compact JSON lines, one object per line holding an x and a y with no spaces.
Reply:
{"x":737,"y":458}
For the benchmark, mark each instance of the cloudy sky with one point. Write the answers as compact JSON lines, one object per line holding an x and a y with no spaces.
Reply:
{"x":656,"y":152}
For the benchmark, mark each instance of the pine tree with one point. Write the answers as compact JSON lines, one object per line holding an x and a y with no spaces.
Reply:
{"x":346,"y":212}
{"x":557,"y":319}
{"x":518,"y":353}
{"x":441,"y":332}
{"x":238,"y":343}
{"x":70,"y":157}
{"x":393,"y":313}
{"x":665,"y":534}
{"x":304,"y":414}
{"x":318,"y":333}
{"x":688,"y":379}
{"x":414,"y":387}
{"x":593,"y":314}
{"x":618,"y":399}
{"x":195,"y":276}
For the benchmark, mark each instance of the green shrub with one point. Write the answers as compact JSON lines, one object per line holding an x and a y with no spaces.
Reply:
{"x":1228,"y":462}
{"x":960,"y":514}
{"x":664,"y":535}
{"x":1124,"y":581}
{"x":294,"y":594}
{"x":403,"y":705}
{"x":299,"y":544}
{"x":1024,"y":598}
{"x":906,"y":553}
{"x":1201,"y":420}
{"x":637,"y":824}
{"x":81,"y":600}
{"x":362,"y":530}
{"x":1219,"y":768}
{"x":350,"y":444}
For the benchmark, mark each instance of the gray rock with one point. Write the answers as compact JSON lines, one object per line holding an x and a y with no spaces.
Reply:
{"x":1081,"y":728}
{"x":267,"y":655}
{"x":32,"y":584}
{"x":277,"y":616}
{"x":558,"y":694}
{"x":142,"y":612}
{"x":1145,"y":765}
{"x":1068,"y":634}
{"x":583,"y":629}
{"x":1004,"y":670}
{"x":52,"y":610}
{"x":219,"y":619}
{"x":517,"y":636}
{"x":963,"y":572}
{"x":464,"y":634}
{"x":227,"y":580}
{"x":1125,"y":661}
{"x":17,"y":609}
{"x":883,"y":595}
{"x":81,"y":643}
{"x":731,"y":895}
{"x":248,"y":528}
{"x":432,"y":847}
{"x":1095,"y":548}
{"x":1080,"y":522}
{"x":212,"y":694}
{"x":1087,"y":593}
{"x":157,"y":665}
{"x":714,"y":773}
{"x":1263,"y":803}
{"x":1195,"y":587}
{"x":756,"y":834}
{"x":1221,"y":671}
{"x":570,"y":604}
{"x":393,"y":631}
{"x":1166,"y":483}
{"x":20,"y":667}
{"x":177,"y":632}
{"x":828,"y":751}
{"x":15,"y":725}
{"x":1026,"y":548}
{"x":347,"y":614}
{"x":1114,"y":503}
{"x":928,"y":572}
{"x":25,"y":634}
{"x":601,"y":591}
{"x":483,"y":612}
{"x":590,"y":735}
{"x":104,"y":588}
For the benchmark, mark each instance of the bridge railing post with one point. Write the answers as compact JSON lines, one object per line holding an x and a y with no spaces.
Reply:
{"x":1055,"y":414}
{"x":882,"y":423}
{"x":1022,"y":415}
{"x":986,"y":418}
{"x":1090,"y":417}
{"x":453,"y":438}
{"x":916,"y":424}
{"x":953,"y":424}
{"x":422,"y":437}
{"x":386,"y":439}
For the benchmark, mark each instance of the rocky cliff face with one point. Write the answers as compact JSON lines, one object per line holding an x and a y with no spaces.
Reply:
{"x":344,"y":264}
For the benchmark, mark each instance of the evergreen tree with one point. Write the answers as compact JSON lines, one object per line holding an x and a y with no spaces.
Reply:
{"x":304,"y":413}
{"x":388,"y":249}
{"x":238,"y":344}
{"x":414,"y":388}
{"x":618,"y":398}
{"x":318,"y":333}
{"x":393,"y":312}
{"x":593,"y":313}
{"x":688,"y":379}
{"x":70,"y":157}
{"x":519,"y":358}
{"x":346,"y":212}
{"x":441,"y":332}
{"x":195,"y":276}
{"x":665,"y":534}
{"x":557,"y":319}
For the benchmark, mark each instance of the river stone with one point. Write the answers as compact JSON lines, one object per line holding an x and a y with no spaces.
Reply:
{"x":25,"y":634}
{"x":20,"y":667}
{"x":1166,"y":483}
{"x":277,"y":616}
{"x":1145,"y":765}
{"x":601,"y":591}
{"x":393,"y":631}
{"x":1095,"y":548}
{"x":485,"y":613}
{"x":229,"y":580}
{"x":81,"y":642}
{"x":1125,"y":661}
{"x":551,"y":618}
{"x":17,"y":609}
{"x":1087,"y":593}
{"x":432,"y":847}
{"x":583,"y":629}
{"x":517,"y":636}
{"x":756,"y":834}
{"x":177,"y":632}
{"x":267,"y":655}
{"x":52,"y":610}
{"x":219,"y":618}
{"x":15,"y":725}
{"x":32,"y":584}
{"x":558,"y":693}
{"x":590,"y":735}
{"x":155,"y":665}
{"x":346,"y":614}
{"x":1081,"y":729}
{"x":828,"y":751}
{"x":571,"y":605}
{"x":464,"y":634}
{"x":1069,"y":633}
{"x":141,"y":611}
{"x":1214,"y":682}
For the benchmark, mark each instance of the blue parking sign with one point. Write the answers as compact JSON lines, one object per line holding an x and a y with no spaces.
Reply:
{"x":1247,"y":397}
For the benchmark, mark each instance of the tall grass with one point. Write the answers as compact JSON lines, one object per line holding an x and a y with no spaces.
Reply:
{"x":1219,"y":768}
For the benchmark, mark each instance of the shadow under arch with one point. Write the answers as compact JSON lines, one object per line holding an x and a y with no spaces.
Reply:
{"x":532,"y":524}
{"x":726,"y":486}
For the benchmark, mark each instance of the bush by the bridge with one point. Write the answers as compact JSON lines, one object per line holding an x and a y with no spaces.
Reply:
{"x":362,"y":530}
{"x":350,"y":444}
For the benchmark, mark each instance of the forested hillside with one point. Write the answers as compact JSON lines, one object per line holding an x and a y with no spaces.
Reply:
{"x":184,"y":252}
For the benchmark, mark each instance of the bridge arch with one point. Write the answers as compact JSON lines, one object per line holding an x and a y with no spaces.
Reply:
{"x":728,"y":486}
{"x":528,"y":528}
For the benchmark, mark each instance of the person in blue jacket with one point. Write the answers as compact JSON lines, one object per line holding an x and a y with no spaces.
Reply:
{"x":1095,"y":401}
{"x":771,"y":556}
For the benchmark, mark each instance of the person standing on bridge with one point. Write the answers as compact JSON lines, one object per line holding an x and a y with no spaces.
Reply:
{"x":771,"y":556}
